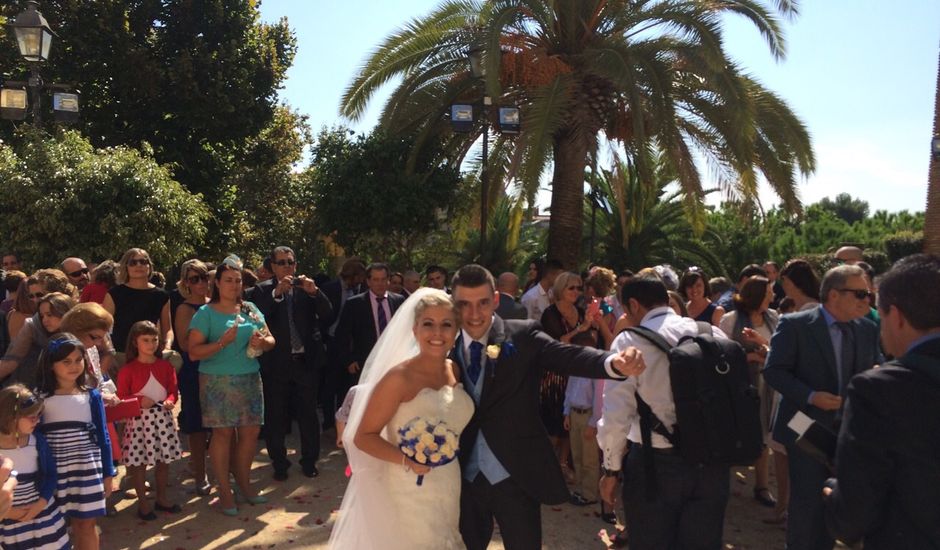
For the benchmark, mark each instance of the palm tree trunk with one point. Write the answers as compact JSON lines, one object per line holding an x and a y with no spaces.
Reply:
{"x":932,"y":221}
{"x":564,"y":231}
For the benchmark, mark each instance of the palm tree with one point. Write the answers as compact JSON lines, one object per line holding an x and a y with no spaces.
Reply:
{"x":649,"y":224}
{"x":932,"y":223}
{"x":648,"y":75}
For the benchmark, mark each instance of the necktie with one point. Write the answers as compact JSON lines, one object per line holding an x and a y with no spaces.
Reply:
{"x":476,"y":361}
{"x":380,"y":314}
{"x":296,"y":345}
{"x":847,"y":354}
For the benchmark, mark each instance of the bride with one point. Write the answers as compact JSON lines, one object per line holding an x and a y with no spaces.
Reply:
{"x":407,"y":376}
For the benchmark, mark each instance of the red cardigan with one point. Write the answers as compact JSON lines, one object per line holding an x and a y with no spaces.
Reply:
{"x":134,"y":375}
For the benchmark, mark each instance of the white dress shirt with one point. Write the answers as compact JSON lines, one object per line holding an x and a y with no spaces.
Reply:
{"x":620,"y":420}
{"x":535,"y":301}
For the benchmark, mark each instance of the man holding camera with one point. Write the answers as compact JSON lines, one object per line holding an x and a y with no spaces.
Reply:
{"x":292,"y":306}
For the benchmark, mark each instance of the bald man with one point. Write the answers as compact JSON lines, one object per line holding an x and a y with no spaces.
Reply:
{"x":77,"y":272}
{"x":508,"y":286}
{"x":849,"y":255}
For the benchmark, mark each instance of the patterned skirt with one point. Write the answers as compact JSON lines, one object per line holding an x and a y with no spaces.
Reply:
{"x":44,"y":532}
{"x":80,"y":489}
{"x":150,"y":438}
{"x":232,"y":400}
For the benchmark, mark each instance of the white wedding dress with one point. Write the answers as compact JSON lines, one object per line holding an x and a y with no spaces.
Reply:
{"x":384,"y":508}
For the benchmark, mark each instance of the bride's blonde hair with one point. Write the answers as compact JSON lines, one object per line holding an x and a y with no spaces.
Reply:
{"x":437,"y":298}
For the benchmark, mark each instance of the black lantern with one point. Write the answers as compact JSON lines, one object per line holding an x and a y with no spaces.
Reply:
{"x":33,"y":34}
{"x":13,"y":103}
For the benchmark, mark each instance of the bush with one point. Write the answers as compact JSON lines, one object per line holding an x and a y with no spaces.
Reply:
{"x":63,"y":197}
{"x":903,"y":243}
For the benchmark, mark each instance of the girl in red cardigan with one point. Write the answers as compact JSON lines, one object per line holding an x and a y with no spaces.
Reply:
{"x":151,"y":438}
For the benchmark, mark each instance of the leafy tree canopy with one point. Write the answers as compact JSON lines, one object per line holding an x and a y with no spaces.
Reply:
{"x":369,"y":203}
{"x":73,"y":199}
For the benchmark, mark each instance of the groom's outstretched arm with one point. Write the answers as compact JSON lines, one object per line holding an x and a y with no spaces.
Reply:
{"x":585,"y":361}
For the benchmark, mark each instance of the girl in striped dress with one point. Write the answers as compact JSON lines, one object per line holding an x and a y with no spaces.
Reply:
{"x":35,"y":522}
{"x":74,"y":424}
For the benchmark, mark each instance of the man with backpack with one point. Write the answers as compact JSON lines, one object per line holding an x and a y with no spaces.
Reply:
{"x":675,"y":482}
{"x":887,"y":486}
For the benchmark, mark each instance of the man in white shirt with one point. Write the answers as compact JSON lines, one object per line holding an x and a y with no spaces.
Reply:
{"x":536,"y":299}
{"x":688,"y":508}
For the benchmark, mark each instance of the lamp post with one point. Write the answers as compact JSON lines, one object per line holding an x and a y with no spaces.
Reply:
{"x":34,"y":39}
{"x":462,"y":120}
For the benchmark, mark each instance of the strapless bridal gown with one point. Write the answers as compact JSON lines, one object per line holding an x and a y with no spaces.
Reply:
{"x":387,"y":510}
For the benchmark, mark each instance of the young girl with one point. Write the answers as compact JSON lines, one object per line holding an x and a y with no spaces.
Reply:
{"x":74,"y":423}
{"x":150,"y":438}
{"x":35,"y":521}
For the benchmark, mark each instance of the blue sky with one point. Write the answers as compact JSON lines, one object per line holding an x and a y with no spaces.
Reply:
{"x":861,"y":74}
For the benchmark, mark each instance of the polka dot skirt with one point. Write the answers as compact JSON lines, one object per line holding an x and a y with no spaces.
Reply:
{"x":151,"y":438}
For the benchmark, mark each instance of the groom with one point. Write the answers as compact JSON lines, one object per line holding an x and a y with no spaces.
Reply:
{"x":507,"y":463}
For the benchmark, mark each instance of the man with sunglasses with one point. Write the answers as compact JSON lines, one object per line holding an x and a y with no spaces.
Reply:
{"x":293,"y":307}
{"x":77,"y":272}
{"x":813,"y":355}
{"x":887,"y":486}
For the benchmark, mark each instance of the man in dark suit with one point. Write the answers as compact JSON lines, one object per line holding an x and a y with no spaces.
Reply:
{"x":887,"y":486}
{"x":507,"y":463}
{"x":292,"y":307}
{"x":508,"y":286}
{"x":363,"y":320}
{"x":813,"y":355}
{"x":333,"y":387}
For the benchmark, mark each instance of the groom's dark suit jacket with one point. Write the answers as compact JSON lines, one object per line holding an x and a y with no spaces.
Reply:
{"x":508,"y":412}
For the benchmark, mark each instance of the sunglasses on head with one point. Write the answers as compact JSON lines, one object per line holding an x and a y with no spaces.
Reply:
{"x":859,"y":293}
{"x":24,"y":403}
{"x":284,"y":262}
{"x":78,"y":273}
{"x":138,"y":261}
{"x":196,"y":279}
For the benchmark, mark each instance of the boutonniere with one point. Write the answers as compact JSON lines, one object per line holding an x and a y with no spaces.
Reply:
{"x":493,"y":351}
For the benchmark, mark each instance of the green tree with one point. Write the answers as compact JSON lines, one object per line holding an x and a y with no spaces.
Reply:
{"x":73,"y":199}
{"x":196,"y":79}
{"x":650,"y":74}
{"x":368,"y":203}
{"x":846,"y":208}
{"x":648,"y":224}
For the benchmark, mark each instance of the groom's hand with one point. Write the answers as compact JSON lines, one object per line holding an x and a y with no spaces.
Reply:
{"x":628,"y":362}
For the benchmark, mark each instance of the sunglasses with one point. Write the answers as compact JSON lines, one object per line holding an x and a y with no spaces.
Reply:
{"x":138,"y":261}
{"x":196,"y":279}
{"x":78,"y":273}
{"x":36,"y":295}
{"x":859,"y":293}
{"x":23,"y":404}
{"x":576,"y":287}
{"x":284,"y":262}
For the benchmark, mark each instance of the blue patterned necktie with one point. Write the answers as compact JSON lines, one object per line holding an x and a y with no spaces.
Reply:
{"x":380,"y":314}
{"x":476,"y":361}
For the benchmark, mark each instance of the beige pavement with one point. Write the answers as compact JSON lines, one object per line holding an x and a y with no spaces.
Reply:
{"x":300,"y":511}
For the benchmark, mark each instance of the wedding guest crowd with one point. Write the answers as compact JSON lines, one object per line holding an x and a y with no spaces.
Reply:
{"x":284,"y":353}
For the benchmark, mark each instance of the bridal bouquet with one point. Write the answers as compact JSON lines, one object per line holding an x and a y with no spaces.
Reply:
{"x":429,"y":442}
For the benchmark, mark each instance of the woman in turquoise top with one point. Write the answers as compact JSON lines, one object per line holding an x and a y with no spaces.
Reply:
{"x":226,"y":335}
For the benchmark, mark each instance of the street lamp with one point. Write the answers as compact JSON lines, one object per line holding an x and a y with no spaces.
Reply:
{"x":462,"y":120}
{"x":33,"y":34}
{"x":34,"y":40}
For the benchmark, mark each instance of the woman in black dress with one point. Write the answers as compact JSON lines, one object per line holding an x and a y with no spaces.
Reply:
{"x":136,"y":299}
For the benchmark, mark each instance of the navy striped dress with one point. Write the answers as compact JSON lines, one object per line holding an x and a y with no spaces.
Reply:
{"x":37,"y":479}
{"x":74,"y":426}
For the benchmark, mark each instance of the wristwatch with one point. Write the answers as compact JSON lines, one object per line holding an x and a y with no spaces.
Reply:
{"x":612,"y":473}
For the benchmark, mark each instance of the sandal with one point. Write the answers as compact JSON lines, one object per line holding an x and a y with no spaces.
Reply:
{"x":762,"y":495}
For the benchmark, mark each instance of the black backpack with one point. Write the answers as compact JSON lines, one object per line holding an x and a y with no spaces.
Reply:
{"x":717,"y":407}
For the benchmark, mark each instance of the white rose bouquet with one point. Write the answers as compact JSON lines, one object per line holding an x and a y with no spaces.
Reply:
{"x":429,"y":442}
